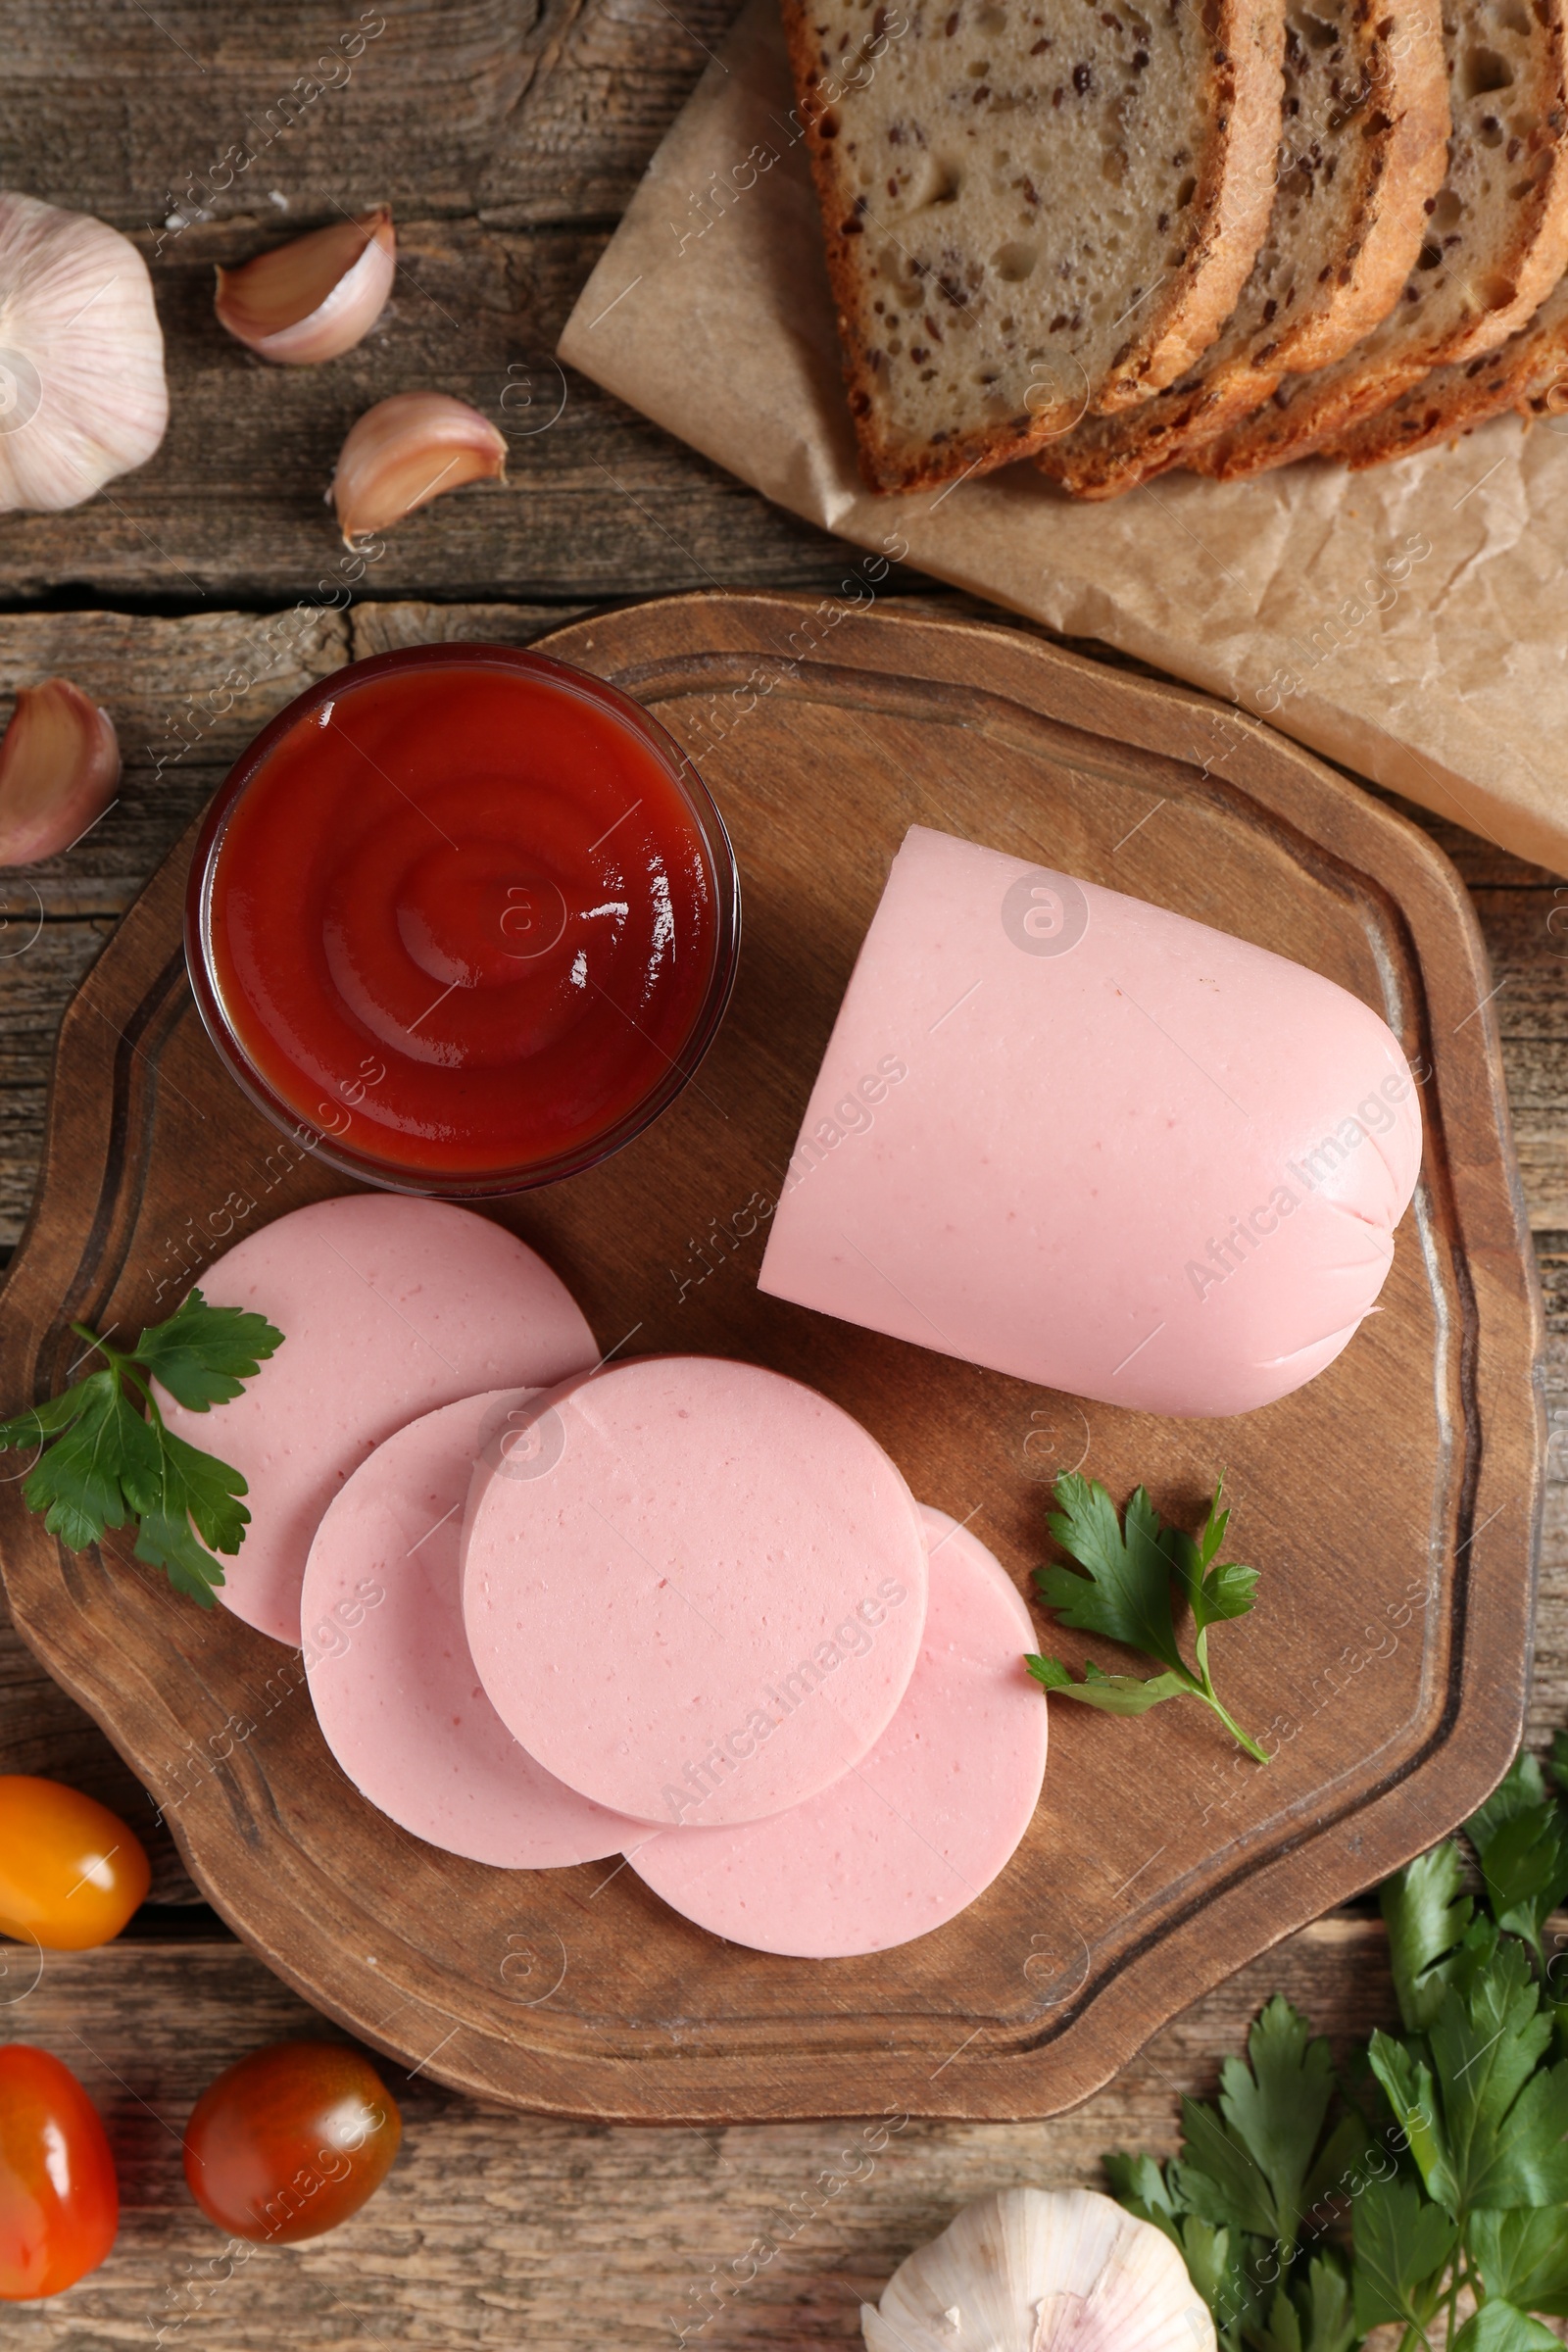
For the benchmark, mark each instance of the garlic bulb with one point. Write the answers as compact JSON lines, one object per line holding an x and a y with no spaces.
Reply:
{"x":83,"y":395}
{"x":405,"y":452}
{"x":320,"y":295}
{"x":59,"y":771}
{"x":1037,"y":2269}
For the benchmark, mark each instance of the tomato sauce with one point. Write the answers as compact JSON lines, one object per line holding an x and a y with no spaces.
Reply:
{"x":464,"y":916}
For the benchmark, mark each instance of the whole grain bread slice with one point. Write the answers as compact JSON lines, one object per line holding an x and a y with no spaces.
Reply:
{"x":1363,"y":146}
{"x":1031,"y":207}
{"x":1529,"y":373}
{"x":1496,"y":238}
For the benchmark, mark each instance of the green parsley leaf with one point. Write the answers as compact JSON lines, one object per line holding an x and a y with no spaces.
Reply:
{"x":1483,"y":2125}
{"x":1112,"y":1693}
{"x":1500,"y":2327}
{"x":46,"y":1420}
{"x":1522,"y":1845}
{"x":1126,"y":1595}
{"x":1402,"y":2248}
{"x":203,"y":1356}
{"x":1249,"y":2164}
{"x":1214,"y":1593}
{"x":80,"y":1483}
{"x":1283,"y":2331}
{"x":1216,"y":2268}
{"x":1426,"y":1918}
{"x":1523,"y":2256}
{"x":1487,"y":2040}
{"x":102,"y":1463}
{"x":1328,"y":2320}
{"x":1412,"y":2093}
{"x":1521,"y":1789}
{"x":193,"y":1488}
{"x":1315,"y":2318}
{"x":1138,"y":2181}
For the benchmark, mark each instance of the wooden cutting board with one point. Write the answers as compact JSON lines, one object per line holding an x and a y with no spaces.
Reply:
{"x":1392,"y":1505}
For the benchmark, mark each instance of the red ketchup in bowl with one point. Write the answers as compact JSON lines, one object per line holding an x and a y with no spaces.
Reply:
{"x":467,"y":915}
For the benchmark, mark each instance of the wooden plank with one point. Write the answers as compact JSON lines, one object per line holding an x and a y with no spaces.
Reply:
{"x":536,"y":112}
{"x":496,"y":2229}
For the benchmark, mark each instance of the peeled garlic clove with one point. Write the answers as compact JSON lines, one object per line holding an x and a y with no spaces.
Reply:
{"x":1036,"y":2270}
{"x":406,"y":451}
{"x":59,"y":771}
{"x":83,"y":396}
{"x":310,"y":300}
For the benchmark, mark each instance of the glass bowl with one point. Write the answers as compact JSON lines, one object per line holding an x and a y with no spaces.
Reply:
{"x":321,"y":905}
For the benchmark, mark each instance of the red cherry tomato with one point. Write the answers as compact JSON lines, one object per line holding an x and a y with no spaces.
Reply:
{"x":58,"y":2200}
{"x":71,"y":1872}
{"x":290,"y":2141}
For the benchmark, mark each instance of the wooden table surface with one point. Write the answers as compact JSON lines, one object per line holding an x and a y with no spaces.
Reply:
{"x":507,"y":135}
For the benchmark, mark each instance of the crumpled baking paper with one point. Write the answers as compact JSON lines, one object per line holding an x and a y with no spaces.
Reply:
{"x":1410,"y":623}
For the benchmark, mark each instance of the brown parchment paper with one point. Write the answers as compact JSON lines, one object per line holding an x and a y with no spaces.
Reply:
{"x":1410,"y":623}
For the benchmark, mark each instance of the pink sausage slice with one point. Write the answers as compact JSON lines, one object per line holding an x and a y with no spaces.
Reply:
{"x":905,"y":1841}
{"x":388,"y":1307}
{"x":1084,"y":1141}
{"x":697,"y":1594}
{"x":394,"y":1684}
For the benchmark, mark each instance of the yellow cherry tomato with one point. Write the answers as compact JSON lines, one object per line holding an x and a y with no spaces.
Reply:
{"x":71,"y":1872}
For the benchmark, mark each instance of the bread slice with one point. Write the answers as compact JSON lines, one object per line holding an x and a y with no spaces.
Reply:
{"x":1496,"y":238}
{"x":1529,"y":373}
{"x":1364,"y":145}
{"x":1032,"y":206}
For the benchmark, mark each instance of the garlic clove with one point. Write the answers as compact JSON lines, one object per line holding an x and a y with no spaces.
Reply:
{"x":310,"y":300}
{"x":406,"y":451}
{"x":1036,"y":2270}
{"x":83,"y":396}
{"x":59,"y":771}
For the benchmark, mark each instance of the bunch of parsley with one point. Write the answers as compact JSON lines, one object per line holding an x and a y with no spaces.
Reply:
{"x":102,"y":1463}
{"x":1428,"y":2186}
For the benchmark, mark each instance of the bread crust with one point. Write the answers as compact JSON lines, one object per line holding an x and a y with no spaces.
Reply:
{"x":1403,"y":158}
{"x":1405,"y":166}
{"x":1231,"y":205}
{"x":1528,"y":375}
{"x":1230,"y":212}
{"x":1319,"y":420}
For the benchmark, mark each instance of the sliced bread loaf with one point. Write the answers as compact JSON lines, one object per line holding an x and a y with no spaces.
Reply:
{"x":1496,"y":238}
{"x":1363,"y":146}
{"x":1529,"y":373}
{"x":1032,"y":208}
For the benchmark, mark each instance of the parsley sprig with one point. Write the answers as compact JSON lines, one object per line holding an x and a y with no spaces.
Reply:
{"x":104,"y":1463}
{"x":1131,"y":1579}
{"x":1426,"y":2186}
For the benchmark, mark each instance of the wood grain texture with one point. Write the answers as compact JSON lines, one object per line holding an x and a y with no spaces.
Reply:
{"x":519,"y":109}
{"x":497,"y":2230}
{"x":1391,"y":1679}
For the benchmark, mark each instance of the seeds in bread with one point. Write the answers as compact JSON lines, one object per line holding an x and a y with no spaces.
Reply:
{"x":1031,"y":207}
{"x":1364,"y":147}
{"x":1496,"y":238}
{"x":1529,"y":373}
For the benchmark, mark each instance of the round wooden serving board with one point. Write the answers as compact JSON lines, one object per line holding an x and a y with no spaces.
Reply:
{"x":1392,"y":1505}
